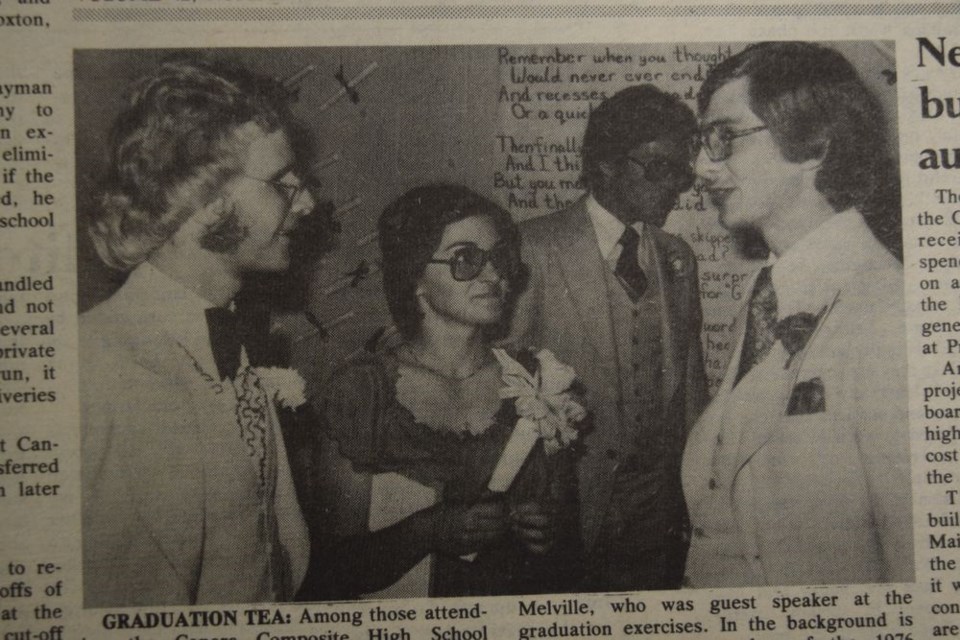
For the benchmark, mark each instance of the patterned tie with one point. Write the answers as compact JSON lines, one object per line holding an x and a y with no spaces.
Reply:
{"x":628,"y":271}
{"x":761,"y":319}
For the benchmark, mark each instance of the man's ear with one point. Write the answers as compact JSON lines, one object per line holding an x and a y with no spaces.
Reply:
{"x":213,"y":213}
{"x":226,"y":234}
{"x":605,"y":176}
{"x":196,"y":225}
{"x":607,"y":170}
{"x":202,"y":220}
{"x":216,"y":227}
{"x":418,"y":295}
{"x":816,"y":161}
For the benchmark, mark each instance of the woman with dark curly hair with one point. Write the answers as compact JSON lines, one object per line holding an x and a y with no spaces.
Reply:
{"x":414,"y":433}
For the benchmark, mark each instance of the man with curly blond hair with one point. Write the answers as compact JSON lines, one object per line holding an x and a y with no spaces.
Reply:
{"x":187,"y":493}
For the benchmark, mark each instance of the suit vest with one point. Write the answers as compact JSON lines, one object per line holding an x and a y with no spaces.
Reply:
{"x":638,"y":335}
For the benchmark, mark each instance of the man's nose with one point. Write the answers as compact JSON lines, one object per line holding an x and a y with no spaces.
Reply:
{"x":705,"y":168}
{"x":304,"y":203}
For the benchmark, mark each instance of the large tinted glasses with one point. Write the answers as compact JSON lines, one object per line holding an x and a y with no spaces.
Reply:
{"x":468,"y":261}
{"x":661,"y":169}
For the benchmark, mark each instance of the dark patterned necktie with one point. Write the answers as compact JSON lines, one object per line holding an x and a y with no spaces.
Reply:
{"x":761,"y":320}
{"x":628,"y":270}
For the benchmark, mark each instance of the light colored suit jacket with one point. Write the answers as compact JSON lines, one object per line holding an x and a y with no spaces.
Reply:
{"x":565,"y":309}
{"x":163,"y":467}
{"x":816,"y":497}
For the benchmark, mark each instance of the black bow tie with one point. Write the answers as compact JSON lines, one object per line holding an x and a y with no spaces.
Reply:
{"x":229,"y":331}
{"x":225,"y":340}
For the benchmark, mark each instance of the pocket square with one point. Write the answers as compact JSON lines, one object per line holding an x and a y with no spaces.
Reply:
{"x":807,"y":397}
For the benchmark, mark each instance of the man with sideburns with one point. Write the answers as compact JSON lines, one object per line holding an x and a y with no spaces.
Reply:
{"x":798,"y":471}
{"x":187,"y":492}
{"x":616,"y":297}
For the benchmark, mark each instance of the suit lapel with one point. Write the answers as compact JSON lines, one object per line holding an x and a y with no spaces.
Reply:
{"x":169,"y":516}
{"x":672,"y":318}
{"x":582,"y":266}
{"x":753,"y":440}
{"x":698,"y":456}
{"x":194,"y":443}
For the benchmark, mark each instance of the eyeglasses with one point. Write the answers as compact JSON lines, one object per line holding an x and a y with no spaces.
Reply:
{"x":717,"y":140}
{"x":286,"y":190}
{"x":468,"y":261}
{"x":660,"y":169}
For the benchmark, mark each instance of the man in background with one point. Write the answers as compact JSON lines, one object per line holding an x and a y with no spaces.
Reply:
{"x":187,"y":493}
{"x":616,"y":297}
{"x":798,"y":472}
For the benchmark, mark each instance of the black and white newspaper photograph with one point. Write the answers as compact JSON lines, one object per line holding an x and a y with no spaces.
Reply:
{"x":479,"y":322}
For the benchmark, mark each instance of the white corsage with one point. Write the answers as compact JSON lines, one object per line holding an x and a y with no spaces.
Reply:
{"x":546,"y":408}
{"x":284,"y":386}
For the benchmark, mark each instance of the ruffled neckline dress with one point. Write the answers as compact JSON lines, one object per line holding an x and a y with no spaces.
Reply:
{"x":378,"y":434}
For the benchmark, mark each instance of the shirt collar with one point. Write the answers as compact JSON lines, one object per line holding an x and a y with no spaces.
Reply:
{"x":176,"y":309}
{"x":608,"y":227}
{"x":808,"y":275}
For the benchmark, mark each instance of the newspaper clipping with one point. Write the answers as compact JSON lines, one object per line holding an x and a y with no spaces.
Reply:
{"x":479,"y":321}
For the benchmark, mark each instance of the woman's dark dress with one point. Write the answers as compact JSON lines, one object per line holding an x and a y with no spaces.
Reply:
{"x":378,"y":434}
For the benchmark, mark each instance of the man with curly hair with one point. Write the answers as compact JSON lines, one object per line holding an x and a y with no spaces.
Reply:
{"x":187,"y":492}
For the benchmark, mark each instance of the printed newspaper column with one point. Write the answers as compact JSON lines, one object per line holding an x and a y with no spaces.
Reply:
{"x":940,"y":332}
{"x":27,"y":327}
{"x":32,"y":316}
{"x":934,"y":224}
{"x":28,"y":311}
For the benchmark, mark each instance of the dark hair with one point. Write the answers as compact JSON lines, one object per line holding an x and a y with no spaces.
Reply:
{"x":633,"y":116}
{"x":177,"y":141}
{"x":411,"y":228}
{"x":815,"y":105}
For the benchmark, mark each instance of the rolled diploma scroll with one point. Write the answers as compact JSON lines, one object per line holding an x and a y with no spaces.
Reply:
{"x":525,"y":435}
{"x":519,"y":446}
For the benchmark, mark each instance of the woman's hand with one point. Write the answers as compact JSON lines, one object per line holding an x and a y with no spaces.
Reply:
{"x":461,"y":530}
{"x":535,"y":526}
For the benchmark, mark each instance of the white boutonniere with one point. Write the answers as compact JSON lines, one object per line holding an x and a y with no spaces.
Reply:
{"x":678,"y":264}
{"x":286,"y":387}
{"x":546,"y":407}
